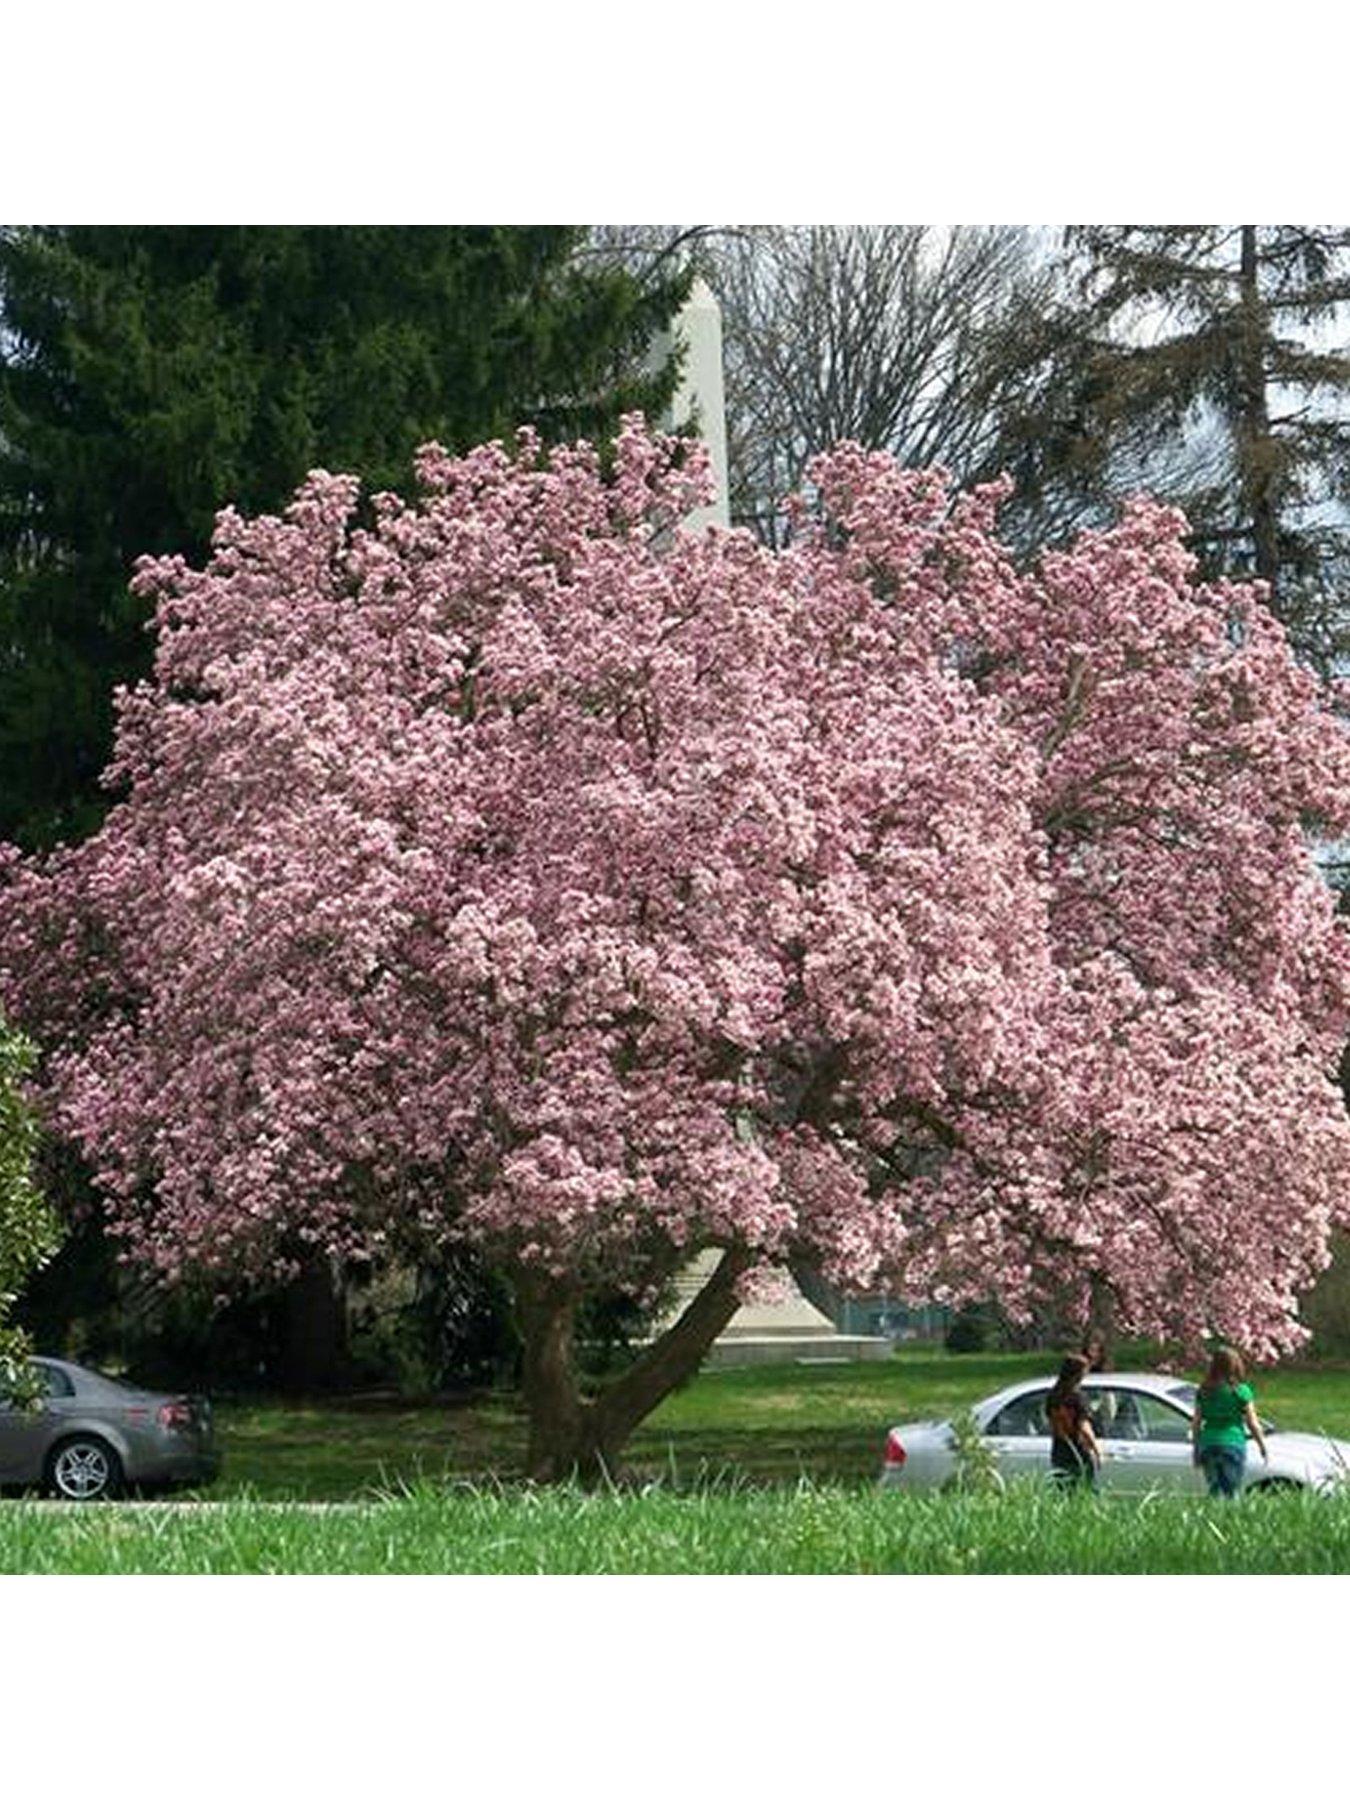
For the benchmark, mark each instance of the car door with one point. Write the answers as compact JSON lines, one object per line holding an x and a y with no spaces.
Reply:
{"x":1146,"y":1443}
{"x":1019,"y":1435}
{"x":26,"y":1429}
{"x":11,"y":1440}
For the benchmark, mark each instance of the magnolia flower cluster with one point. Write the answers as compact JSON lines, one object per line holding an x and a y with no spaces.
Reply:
{"x":518,"y":866}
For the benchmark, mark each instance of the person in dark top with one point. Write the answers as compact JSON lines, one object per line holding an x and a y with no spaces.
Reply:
{"x":1074,"y":1454}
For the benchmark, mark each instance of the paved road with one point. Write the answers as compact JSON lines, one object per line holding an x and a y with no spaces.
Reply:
{"x":194,"y":1506}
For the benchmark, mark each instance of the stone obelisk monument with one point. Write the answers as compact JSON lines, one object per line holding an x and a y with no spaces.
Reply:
{"x":699,"y":402}
{"x":789,"y":1329}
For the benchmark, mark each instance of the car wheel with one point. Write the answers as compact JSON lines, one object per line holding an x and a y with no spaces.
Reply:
{"x":84,"y":1468}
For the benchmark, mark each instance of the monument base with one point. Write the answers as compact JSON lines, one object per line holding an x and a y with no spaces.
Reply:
{"x":790,"y":1330}
{"x":743,"y":1352}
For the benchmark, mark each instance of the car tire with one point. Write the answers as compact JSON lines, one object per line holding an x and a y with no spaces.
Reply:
{"x":84,"y":1468}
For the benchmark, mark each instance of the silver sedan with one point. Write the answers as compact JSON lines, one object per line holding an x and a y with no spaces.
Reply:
{"x":1143,"y":1423}
{"x":91,"y":1436}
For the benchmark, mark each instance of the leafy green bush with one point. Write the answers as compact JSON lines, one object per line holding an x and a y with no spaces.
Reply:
{"x":971,"y":1331}
{"x":28,"y":1233}
{"x":1326,"y":1309}
{"x":977,"y":1470}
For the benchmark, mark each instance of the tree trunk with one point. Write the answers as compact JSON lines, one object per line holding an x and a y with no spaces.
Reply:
{"x":547,"y":1312}
{"x":671,"y":1359}
{"x":314,"y":1330}
{"x":1101,"y":1328}
{"x":1256,"y":445}
{"x":575,"y":1438}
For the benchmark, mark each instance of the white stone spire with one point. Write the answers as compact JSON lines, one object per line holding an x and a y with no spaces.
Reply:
{"x":700,"y":399}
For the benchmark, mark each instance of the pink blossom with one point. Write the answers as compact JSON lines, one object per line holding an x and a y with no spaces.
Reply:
{"x":522,"y":870}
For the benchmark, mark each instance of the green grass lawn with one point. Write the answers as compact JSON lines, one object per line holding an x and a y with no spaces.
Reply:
{"x":777,"y":1531}
{"x":764,"y":1426}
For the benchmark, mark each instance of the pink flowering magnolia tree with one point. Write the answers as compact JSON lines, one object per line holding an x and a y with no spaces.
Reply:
{"x":521,"y":869}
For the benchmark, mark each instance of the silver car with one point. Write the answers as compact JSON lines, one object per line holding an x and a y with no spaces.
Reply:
{"x":92,"y":1436}
{"x":1143,"y":1423}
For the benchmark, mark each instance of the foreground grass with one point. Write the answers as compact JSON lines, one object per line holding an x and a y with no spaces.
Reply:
{"x":795,"y":1531}
{"x":765,"y":1426}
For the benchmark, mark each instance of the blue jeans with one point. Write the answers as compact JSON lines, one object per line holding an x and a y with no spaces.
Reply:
{"x":1224,"y":1466}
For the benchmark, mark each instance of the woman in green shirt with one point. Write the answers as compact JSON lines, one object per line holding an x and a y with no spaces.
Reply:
{"x":1223,"y":1416}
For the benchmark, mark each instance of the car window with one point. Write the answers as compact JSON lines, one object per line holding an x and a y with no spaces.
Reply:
{"x":1127,"y":1415}
{"x":1111,"y":1411}
{"x":56,"y":1384}
{"x":1022,"y":1417}
{"x":1162,"y":1423}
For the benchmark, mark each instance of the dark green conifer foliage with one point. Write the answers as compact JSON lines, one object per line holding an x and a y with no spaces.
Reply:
{"x":1233,"y":336}
{"x":150,"y":375}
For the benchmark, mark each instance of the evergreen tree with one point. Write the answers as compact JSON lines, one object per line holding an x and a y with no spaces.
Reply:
{"x":1215,"y":370}
{"x":150,"y":375}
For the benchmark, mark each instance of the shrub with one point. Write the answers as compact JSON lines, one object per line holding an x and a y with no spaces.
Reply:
{"x":977,"y":1470}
